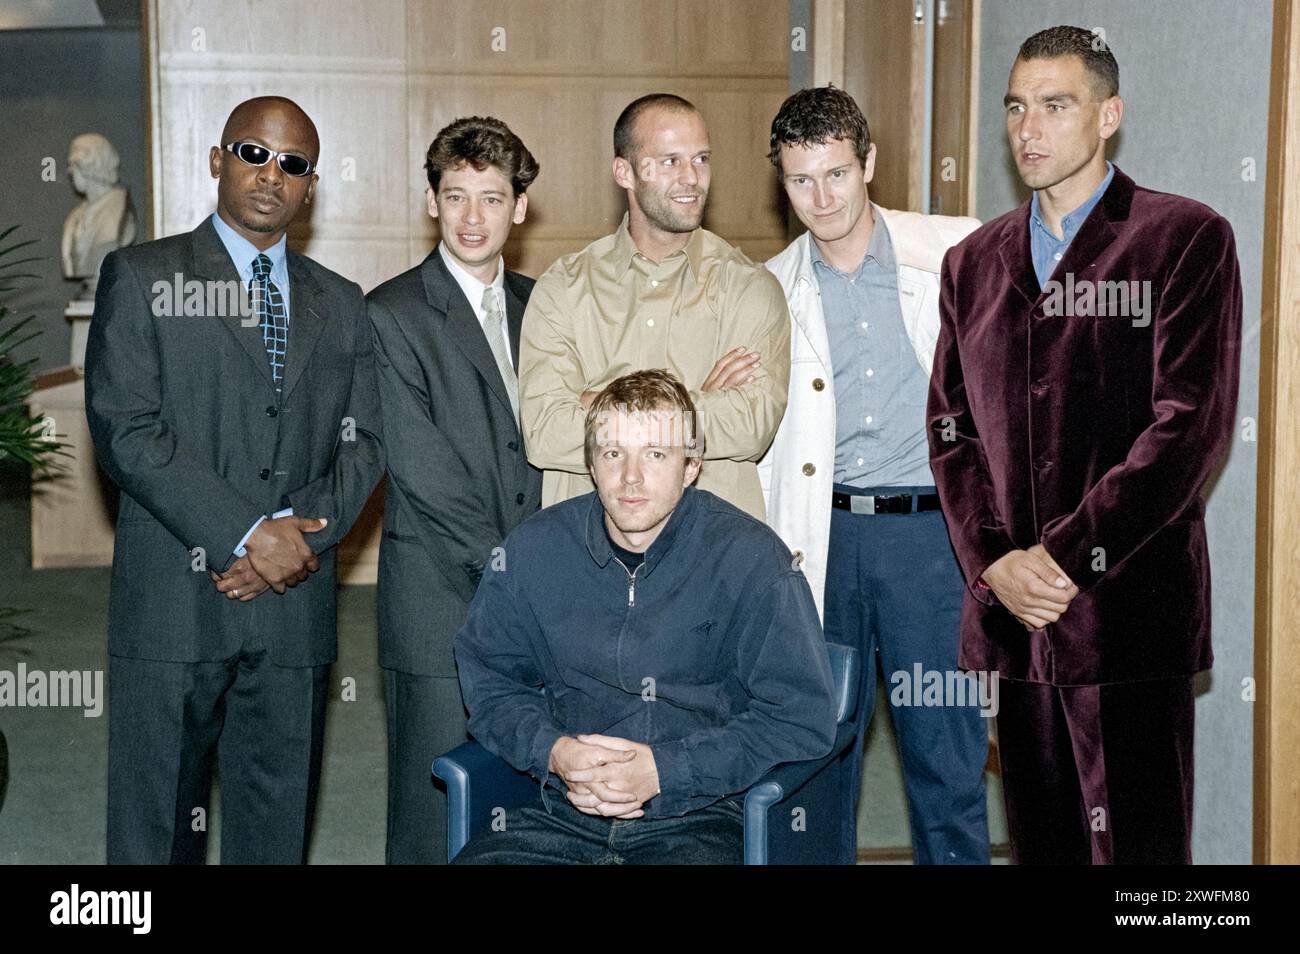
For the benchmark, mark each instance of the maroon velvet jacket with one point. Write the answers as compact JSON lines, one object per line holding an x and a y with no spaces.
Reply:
{"x":1089,"y":433}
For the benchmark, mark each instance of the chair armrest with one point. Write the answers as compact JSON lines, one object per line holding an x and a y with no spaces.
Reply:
{"x":814,"y":787}
{"x":478,"y":783}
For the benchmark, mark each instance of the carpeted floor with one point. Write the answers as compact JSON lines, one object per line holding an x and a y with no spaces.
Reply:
{"x":54,"y":811}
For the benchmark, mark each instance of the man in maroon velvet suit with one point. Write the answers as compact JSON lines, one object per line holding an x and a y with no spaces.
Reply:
{"x":1084,"y":388}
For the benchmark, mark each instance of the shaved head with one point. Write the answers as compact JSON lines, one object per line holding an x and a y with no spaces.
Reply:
{"x":251,"y":113}
{"x":626,"y":136}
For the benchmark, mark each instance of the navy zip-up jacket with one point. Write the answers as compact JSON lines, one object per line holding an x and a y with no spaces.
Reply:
{"x":711,"y":652}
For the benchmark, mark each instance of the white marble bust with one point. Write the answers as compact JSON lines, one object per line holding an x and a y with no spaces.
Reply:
{"x":104,"y":220}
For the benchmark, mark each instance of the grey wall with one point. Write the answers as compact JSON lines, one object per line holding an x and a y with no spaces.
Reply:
{"x":1194,"y":77}
{"x":54,"y":85}
{"x":801,"y":65}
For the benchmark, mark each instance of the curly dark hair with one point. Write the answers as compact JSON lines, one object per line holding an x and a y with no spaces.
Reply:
{"x":1076,"y":41}
{"x":812,"y":117}
{"x":481,"y":141}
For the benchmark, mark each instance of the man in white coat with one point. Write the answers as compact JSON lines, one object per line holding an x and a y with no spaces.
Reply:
{"x":847,"y":480}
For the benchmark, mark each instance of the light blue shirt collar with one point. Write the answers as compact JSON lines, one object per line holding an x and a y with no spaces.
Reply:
{"x":1070,"y":223}
{"x":242,"y":252}
{"x":880,"y":249}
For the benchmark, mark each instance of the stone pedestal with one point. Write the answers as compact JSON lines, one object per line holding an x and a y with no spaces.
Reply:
{"x":78,"y":314}
{"x":73,"y":509}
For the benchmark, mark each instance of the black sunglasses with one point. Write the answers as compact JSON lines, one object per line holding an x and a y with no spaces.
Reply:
{"x":290,"y":163}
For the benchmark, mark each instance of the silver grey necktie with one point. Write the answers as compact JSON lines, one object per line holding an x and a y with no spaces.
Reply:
{"x":494,"y":326}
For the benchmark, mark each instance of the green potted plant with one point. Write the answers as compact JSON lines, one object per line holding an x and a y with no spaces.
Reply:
{"x":23,"y":441}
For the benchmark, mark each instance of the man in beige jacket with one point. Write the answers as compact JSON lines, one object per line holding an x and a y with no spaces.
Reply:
{"x":661,"y":292}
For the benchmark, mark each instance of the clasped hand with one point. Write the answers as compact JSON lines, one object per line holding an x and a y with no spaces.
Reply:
{"x":276,"y":557}
{"x":606,"y":775}
{"x":1031,"y":585}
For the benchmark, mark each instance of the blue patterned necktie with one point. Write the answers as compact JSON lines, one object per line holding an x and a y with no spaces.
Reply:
{"x":273,"y":316}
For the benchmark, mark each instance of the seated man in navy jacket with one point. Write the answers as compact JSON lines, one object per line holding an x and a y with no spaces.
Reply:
{"x":676,"y":647}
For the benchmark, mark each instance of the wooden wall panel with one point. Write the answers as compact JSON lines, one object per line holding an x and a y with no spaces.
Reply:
{"x":955,"y":44}
{"x":884,"y":70}
{"x":1277,"y":522}
{"x":284,"y":36}
{"x":744,"y":195}
{"x":381,"y":78}
{"x":875,"y":50}
{"x":574,"y":197}
{"x":544,"y":37}
{"x":734,"y":39}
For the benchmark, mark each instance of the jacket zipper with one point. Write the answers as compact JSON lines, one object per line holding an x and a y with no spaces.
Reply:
{"x":631,"y":581}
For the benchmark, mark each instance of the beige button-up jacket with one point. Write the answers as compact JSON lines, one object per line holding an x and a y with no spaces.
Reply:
{"x":607,"y":310}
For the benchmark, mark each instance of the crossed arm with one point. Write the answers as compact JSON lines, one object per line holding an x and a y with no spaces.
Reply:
{"x":740,"y":401}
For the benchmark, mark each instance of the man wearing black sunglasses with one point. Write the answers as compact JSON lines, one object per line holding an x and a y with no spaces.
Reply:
{"x":255,"y":154}
{"x":245,"y":441}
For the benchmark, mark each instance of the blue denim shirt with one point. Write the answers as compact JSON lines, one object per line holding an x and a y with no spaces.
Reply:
{"x":711,"y":652}
{"x":880,"y":389}
{"x":1046,"y":249}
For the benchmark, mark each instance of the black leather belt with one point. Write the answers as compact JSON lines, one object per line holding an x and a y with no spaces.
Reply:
{"x":885,"y":503}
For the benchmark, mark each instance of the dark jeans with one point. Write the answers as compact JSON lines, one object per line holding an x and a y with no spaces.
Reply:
{"x":710,"y":836}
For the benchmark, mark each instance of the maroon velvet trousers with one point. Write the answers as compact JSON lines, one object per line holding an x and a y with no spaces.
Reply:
{"x":1098,"y":774}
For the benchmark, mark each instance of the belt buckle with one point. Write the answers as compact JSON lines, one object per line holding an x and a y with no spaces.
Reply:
{"x":858,"y":504}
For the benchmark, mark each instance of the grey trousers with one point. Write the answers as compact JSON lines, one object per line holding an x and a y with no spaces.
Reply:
{"x":261,"y":725}
{"x":426,"y":718}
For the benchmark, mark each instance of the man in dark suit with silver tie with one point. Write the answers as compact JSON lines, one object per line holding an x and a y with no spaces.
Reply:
{"x":446,"y":350}
{"x":244,"y":433}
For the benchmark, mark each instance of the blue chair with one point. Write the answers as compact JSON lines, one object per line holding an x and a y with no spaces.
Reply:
{"x":795,"y":814}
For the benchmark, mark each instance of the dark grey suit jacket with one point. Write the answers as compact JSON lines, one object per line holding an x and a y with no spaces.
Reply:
{"x":459,"y":479}
{"x":186,"y":420}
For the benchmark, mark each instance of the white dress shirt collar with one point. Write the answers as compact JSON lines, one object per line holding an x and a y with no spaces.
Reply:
{"x":471,"y":286}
